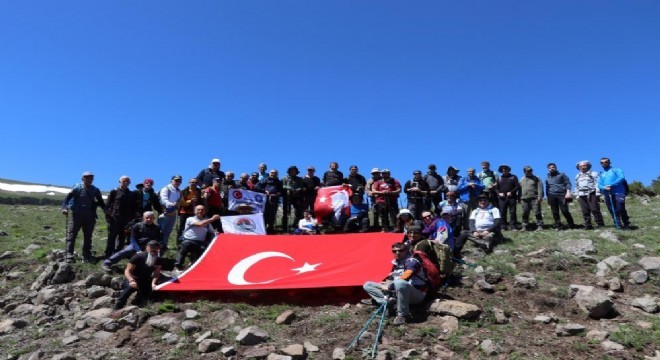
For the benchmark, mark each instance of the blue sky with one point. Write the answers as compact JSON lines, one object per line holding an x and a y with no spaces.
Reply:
{"x":156,"y":88}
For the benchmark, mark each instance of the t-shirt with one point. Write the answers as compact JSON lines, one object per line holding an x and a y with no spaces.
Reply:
{"x":310,"y":224}
{"x":484,"y":219}
{"x":143,"y":272}
{"x":195,"y":233}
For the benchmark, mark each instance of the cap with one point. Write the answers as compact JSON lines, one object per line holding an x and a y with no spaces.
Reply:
{"x":385,"y":171}
{"x":215,"y":161}
{"x":503,"y":166}
{"x":311,"y":168}
{"x":482,"y":197}
{"x":416,"y":172}
{"x":217,"y":179}
{"x":583,"y":162}
{"x":176,"y":177}
{"x":375,"y":170}
{"x":87,"y":173}
{"x":353,"y":167}
{"x":148,"y":181}
{"x":153,"y":243}
{"x":445,"y":212}
{"x":405,"y":211}
{"x":453,"y":168}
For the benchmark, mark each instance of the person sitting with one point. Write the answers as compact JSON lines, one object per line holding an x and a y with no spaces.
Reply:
{"x":142,"y":274}
{"x":196,"y":235}
{"x":359,"y":219}
{"x":307,"y":225}
{"x":141,"y":234}
{"x":438,"y":229}
{"x":484,"y":226}
{"x":457,"y":209}
{"x":405,"y":220}
{"x":406,"y":284}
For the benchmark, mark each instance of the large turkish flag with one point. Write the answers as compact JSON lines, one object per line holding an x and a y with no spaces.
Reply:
{"x":240,"y":262}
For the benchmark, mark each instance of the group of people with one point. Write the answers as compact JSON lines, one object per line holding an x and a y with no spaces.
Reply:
{"x":450,"y":209}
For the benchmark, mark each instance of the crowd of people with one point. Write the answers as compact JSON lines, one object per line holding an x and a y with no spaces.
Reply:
{"x":450,"y":209}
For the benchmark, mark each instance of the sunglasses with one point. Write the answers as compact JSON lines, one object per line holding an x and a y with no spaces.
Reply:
{"x":394,"y":251}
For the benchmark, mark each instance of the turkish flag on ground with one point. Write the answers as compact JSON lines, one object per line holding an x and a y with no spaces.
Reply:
{"x":240,"y":262}
{"x":332,"y":199}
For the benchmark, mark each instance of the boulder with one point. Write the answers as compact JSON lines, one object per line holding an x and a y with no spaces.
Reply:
{"x":577,"y":247}
{"x":647,"y":303}
{"x":594,"y":302}
{"x":569,"y":329}
{"x":650,"y":264}
{"x":209,"y":345}
{"x":456,"y":308}
{"x":251,"y":335}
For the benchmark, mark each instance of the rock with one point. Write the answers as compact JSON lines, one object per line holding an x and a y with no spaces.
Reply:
{"x":170,"y":339}
{"x":278,"y":357}
{"x":545,"y":319}
{"x":53,"y":295}
{"x":456,"y":308}
{"x":647,"y":303}
{"x":295,"y":351}
{"x":63,"y":356}
{"x":98,"y":314}
{"x":577,"y":247}
{"x":524,"y":280}
{"x":102,"y":335}
{"x":70,"y":340}
{"x":9,"y":325}
{"x":594,"y":302}
{"x":205,"y":335}
{"x":597,"y":335}
{"x":615,"y":263}
{"x":22,"y":310}
{"x":93,"y":279}
{"x":163,"y":322}
{"x":500,"y":316}
{"x":492,"y":277}
{"x":228,"y":351}
{"x":609,"y":235}
{"x":190,"y":326}
{"x":614,"y":284}
{"x":443,"y":353}
{"x":209,"y":345}
{"x":540,"y":252}
{"x":574,"y":288}
{"x":255,"y":352}
{"x":608,"y":345}
{"x":286,"y":317}
{"x":569,"y":329}
{"x":63,"y":274}
{"x":31,"y":248}
{"x":14,"y":275}
{"x":6,"y":255}
{"x":638,"y":246}
{"x":309,"y":347}
{"x":650,"y":264}
{"x":102,"y":302}
{"x":226,"y":318}
{"x":251,"y":335}
{"x":338,"y":354}
{"x":638,"y":277}
{"x":536,"y":262}
{"x":447,"y":326}
{"x":488,"y":347}
{"x":191,"y":314}
{"x":96,"y":291}
{"x":484,"y":286}
{"x":407,"y":354}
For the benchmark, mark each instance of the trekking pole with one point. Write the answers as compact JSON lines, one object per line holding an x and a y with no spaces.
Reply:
{"x":380,"y":331}
{"x":612,"y":208}
{"x":463,"y":262}
{"x":366,"y":326}
{"x":66,"y":228}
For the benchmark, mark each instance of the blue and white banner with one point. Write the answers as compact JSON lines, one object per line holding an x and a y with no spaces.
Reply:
{"x":239,"y":197}
{"x":252,"y":224}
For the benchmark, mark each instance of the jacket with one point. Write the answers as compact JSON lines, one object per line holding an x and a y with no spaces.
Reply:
{"x":531,"y":187}
{"x":614,"y":178}
{"x":557,"y":184}
{"x":465,"y":192}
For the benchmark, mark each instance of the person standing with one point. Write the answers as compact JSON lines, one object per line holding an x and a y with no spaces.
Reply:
{"x":531,"y":196}
{"x":436,"y":189}
{"x":272,"y":187}
{"x":469,"y":189}
{"x":416,"y":191}
{"x":558,"y":191}
{"x":82,"y":202}
{"x":375,"y":177}
{"x":206,"y":176}
{"x":489,"y":179}
{"x":170,"y":195}
{"x":588,"y":193}
{"x":293,"y":187}
{"x":612,"y":184}
{"x":387,"y":192}
{"x":146,"y":199}
{"x":121,"y":205}
{"x":333,"y":177}
{"x":507,"y":192}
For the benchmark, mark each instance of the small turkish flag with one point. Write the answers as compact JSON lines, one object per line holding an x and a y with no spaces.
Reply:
{"x":240,"y":262}
{"x":332,"y":199}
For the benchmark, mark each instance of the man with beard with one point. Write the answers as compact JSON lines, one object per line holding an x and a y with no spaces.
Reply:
{"x":416,"y":191}
{"x":142,"y":274}
{"x":508,"y":188}
{"x":436,"y":189}
{"x":558,"y":192}
{"x":146,"y":198}
{"x":292,"y":185}
{"x":333,"y":176}
{"x":141,"y":234}
{"x":387,"y":192}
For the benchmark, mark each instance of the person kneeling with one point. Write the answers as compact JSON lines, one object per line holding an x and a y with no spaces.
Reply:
{"x":196,"y":235}
{"x":484,"y":226}
{"x":406,"y":284}
{"x":142,"y":274}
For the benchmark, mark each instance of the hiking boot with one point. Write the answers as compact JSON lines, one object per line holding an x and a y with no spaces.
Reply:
{"x":588,"y":227}
{"x":399,"y":320}
{"x":369,"y":301}
{"x":106,"y":267}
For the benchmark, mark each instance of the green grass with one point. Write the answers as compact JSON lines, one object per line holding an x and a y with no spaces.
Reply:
{"x":632,"y":336}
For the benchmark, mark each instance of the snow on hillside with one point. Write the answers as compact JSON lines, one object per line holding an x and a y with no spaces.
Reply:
{"x":41,"y":189}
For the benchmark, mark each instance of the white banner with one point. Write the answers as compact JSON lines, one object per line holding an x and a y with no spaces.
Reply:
{"x":252,"y":224}
{"x":239,"y":196}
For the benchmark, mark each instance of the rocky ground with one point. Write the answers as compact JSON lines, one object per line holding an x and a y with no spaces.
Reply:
{"x":573,"y":294}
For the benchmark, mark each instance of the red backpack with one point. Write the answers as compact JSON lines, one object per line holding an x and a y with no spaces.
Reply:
{"x":433,"y":275}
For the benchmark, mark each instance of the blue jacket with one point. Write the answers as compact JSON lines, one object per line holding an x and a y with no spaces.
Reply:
{"x":614,"y":178}
{"x":464,"y":189}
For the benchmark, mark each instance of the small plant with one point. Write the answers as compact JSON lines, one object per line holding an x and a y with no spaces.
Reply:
{"x":428,"y":331}
{"x":167,"y":306}
{"x":635,"y":337}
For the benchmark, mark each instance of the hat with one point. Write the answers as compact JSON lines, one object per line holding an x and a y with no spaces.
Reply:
{"x":404,"y":211}
{"x":584,"y":162}
{"x":527,"y":168}
{"x":153,"y":243}
{"x":375,"y":170}
{"x":415,"y":228}
{"x":311,"y":168}
{"x":87,"y":173}
{"x":503,"y":166}
{"x":453,"y":168}
{"x":482,"y":196}
{"x":417,"y":172}
{"x":385,"y":171}
{"x":443,"y":212}
{"x":148,"y":181}
{"x":176,"y":177}
{"x":432,"y":166}
{"x":215,"y":161}
{"x":292,"y":168}
{"x":217,"y":179}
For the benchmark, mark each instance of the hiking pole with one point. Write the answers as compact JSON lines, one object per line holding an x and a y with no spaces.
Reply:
{"x":463,"y":262}
{"x":380,"y":331}
{"x":366,"y":326}
{"x":608,"y":195}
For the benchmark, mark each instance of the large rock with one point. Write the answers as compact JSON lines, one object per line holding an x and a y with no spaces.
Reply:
{"x":569,"y":329}
{"x":286,"y":317}
{"x":616,"y":263}
{"x":638,"y":277}
{"x":163,"y":322}
{"x":53,"y":295}
{"x":650,"y":264}
{"x":594,"y":302}
{"x":296,"y":351}
{"x":524,"y":280}
{"x":10,"y":325}
{"x":251,"y":335}
{"x":190,"y":326}
{"x":446,"y":325}
{"x":577,"y":247}
{"x":647,"y":303}
{"x":488,"y":347}
{"x":98,"y":314}
{"x":456,"y":308}
{"x":209,"y":345}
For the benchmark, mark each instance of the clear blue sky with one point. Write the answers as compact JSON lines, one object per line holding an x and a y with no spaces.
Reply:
{"x":156,"y":88}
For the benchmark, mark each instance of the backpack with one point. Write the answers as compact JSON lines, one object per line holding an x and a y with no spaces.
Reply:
{"x":445,"y":265}
{"x":433,"y":276}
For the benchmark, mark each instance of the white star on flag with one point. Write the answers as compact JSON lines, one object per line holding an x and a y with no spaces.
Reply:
{"x":322,"y":199}
{"x":306,"y":268}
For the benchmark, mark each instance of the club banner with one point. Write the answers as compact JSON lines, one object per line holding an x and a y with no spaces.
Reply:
{"x":239,"y":197}
{"x":233,"y":262}
{"x":252,"y":224}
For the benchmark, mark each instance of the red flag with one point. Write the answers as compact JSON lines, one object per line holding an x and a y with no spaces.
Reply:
{"x":239,"y":262}
{"x":332,"y":199}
